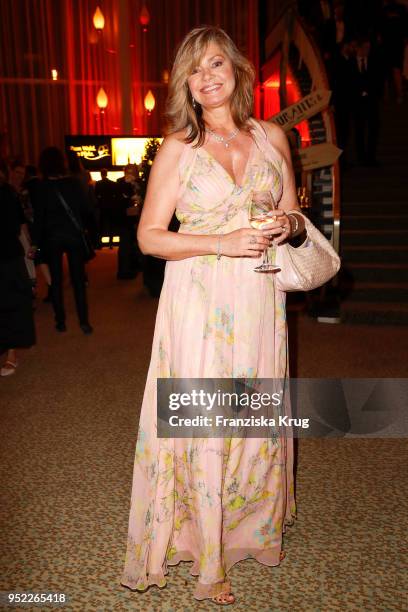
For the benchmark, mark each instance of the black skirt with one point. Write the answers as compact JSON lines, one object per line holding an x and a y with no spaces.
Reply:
{"x":16,"y":306}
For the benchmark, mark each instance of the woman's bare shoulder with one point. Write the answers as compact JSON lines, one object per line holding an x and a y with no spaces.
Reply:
{"x":272,"y":130}
{"x":172,"y":146}
{"x":275,"y":135}
{"x":176,"y":139}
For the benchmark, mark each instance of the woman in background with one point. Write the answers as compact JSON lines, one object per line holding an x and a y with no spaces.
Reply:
{"x":16,"y":300}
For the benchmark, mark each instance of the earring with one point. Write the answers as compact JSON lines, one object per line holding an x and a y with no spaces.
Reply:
{"x":194,"y":103}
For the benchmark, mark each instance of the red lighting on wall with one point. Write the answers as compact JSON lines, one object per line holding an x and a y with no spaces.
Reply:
{"x":272,"y":103}
{"x":144,"y":18}
{"x":275,"y":83}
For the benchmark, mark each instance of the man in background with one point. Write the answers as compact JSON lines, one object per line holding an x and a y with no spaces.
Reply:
{"x":366,"y":90}
{"x":107,"y":196}
{"x":129,"y":208}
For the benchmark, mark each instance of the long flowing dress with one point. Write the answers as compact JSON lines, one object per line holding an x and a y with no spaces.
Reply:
{"x":16,"y":297}
{"x":212,"y":501}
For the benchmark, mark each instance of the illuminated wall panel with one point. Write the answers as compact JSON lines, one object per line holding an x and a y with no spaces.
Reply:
{"x":128,"y":150}
{"x":109,"y":152}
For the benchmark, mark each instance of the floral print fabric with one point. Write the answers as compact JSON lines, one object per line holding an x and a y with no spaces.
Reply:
{"x":212,"y":501}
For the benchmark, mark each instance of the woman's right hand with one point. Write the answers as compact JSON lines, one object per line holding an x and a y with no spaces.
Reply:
{"x":245,"y":242}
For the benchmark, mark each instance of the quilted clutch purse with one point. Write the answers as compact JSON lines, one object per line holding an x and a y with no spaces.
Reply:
{"x":308,"y":266}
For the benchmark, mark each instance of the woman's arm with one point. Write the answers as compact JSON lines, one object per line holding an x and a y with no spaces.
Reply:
{"x":160,"y":203}
{"x":289,"y":200}
{"x":25,"y":232}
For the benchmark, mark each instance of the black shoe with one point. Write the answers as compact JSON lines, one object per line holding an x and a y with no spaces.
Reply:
{"x":61,"y":327}
{"x":86,"y":328}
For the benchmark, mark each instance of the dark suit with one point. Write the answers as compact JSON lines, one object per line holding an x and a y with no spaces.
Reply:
{"x":107,"y":195}
{"x":366,"y":90}
{"x":129,"y":256}
{"x":55,"y":234}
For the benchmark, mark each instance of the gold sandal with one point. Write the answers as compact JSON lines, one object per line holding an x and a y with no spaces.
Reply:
{"x":225,"y":598}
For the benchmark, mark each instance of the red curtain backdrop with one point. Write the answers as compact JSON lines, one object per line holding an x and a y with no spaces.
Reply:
{"x":37,"y":36}
{"x":91,"y":59}
{"x":271,"y":96}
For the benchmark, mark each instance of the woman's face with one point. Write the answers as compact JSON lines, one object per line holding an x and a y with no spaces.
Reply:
{"x":212,"y":82}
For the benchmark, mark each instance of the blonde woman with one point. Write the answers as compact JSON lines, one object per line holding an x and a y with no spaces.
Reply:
{"x":212,"y":501}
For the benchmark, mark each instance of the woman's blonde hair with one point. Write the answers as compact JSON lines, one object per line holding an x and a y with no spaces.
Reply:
{"x":180,"y":112}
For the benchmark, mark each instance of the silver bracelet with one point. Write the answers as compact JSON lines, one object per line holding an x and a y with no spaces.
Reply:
{"x":219,"y":248}
{"x":293,"y":216}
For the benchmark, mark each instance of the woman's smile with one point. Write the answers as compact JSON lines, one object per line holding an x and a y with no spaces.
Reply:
{"x":208,"y":89}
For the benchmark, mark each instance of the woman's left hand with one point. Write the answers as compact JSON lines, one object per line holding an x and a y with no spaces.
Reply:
{"x":279,"y":230}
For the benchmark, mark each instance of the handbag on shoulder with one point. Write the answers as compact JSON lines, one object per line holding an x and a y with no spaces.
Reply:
{"x":88,"y":249}
{"x":308,"y":266}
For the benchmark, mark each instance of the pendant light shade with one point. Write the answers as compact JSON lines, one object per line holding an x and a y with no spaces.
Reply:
{"x":144,"y":18}
{"x":102,"y":99}
{"x":149,"y":102}
{"x":98,"y":19}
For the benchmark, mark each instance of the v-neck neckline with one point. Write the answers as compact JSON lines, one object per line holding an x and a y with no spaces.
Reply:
{"x":232,"y":180}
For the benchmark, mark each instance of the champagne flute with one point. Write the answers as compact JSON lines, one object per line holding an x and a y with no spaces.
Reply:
{"x":261,"y":214}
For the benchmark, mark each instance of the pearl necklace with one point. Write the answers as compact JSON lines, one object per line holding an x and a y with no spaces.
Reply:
{"x":224,"y":139}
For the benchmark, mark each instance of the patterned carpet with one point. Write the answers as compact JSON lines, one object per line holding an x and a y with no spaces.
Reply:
{"x":69,"y":418}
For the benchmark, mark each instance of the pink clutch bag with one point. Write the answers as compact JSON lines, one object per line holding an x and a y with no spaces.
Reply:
{"x":308,"y":266}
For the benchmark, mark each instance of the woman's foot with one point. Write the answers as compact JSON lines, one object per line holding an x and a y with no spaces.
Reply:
{"x":225,"y":598}
{"x":8,"y":368}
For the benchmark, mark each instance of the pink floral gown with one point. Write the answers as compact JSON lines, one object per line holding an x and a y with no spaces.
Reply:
{"x":212,"y":501}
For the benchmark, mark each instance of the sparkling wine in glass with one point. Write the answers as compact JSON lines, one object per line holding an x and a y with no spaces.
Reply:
{"x":260,"y":213}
